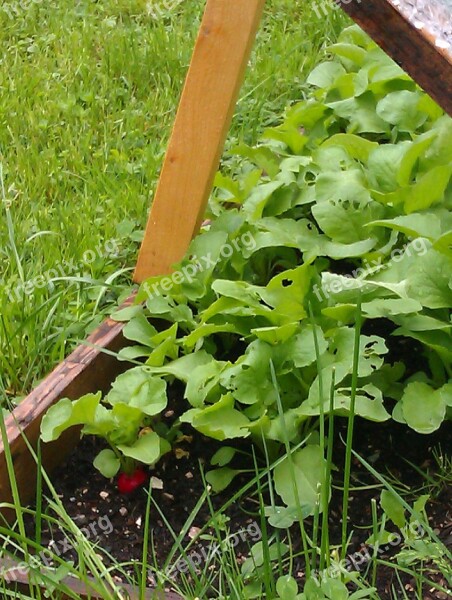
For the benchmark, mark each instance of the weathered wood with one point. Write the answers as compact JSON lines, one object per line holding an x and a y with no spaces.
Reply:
{"x":415,"y":51}
{"x":87,"y":369}
{"x":18,"y":580}
{"x":205,"y":112}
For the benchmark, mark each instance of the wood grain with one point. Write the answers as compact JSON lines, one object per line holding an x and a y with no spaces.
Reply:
{"x":413,"y":50}
{"x":221,"y":54}
{"x":88,"y":369}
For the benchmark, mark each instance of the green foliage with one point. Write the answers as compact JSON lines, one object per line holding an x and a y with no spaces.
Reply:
{"x":123,"y":419}
{"x":356,"y":181}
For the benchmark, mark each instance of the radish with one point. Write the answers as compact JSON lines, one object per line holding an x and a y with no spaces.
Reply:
{"x":128,"y":483}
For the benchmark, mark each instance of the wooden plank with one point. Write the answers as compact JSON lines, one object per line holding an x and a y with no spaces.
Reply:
{"x":415,"y":51}
{"x":87,"y":369}
{"x":205,"y":112}
{"x":17,"y":579}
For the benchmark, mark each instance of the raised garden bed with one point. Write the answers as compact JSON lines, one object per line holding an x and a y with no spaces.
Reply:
{"x":93,"y":367}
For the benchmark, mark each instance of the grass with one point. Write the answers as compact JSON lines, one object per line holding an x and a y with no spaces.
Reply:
{"x":88,"y":93}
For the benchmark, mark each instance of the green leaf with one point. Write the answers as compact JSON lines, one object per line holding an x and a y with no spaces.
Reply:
{"x":345,"y":222}
{"x":300,"y":350}
{"x":356,"y":146}
{"x":428,"y":190}
{"x":393,"y":508}
{"x":107,"y":463}
{"x":139,"y":388}
{"x":325,"y":74}
{"x":402,"y":109}
{"x":407,"y":165}
{"x":286,"y":292}
{"x":351,"y":52}
{"x":275,"y":335}
{"x":204,"y":331}
{"x":361,"y":114}
{"x":147,"y":449}
{"x":425,"y":225}
{"x":249,"y":385}
{"x":384,"y":165}
{"x":220,"y":479}
{"x":340,"y":186}
{"x":220,"y":421}
{"x":165,"y":346}
{"x":182,"y":368}
{"x":287,"y":587}
{"x":429,"y":280}
{"x":389,"y":307}
{"x":424,"y":409}
{"x":138,"y":329}
{"x":223,"y":456}
{"x":274,"y":552}
{"x":309,"y":467}
{"x":203,"y":380}
{"x":125,"y":314}
{"x":281,"y":517}
{"x":67,"y":413}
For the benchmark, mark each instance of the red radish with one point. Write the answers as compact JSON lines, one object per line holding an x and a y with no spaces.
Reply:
{"x":129,"y":483}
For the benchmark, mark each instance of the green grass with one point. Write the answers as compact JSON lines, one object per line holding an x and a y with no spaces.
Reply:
{"x":88,"y":93}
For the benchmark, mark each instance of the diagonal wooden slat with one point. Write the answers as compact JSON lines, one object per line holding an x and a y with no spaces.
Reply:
{"x":414,"y":50}
{"x":205,"y":112}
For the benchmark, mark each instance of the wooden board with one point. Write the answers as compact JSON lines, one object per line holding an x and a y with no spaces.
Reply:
{"x":18,"y":581}
{"x":414,"y":50}
{"x":205,"y":112}
{"x":88,"y":369}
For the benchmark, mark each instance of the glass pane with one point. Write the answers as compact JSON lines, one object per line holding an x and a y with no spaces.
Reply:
{"x":432,"y":16}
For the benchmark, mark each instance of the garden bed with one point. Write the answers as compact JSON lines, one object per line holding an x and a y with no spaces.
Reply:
{"x":261,"y":323}
{"x":88,"y":497}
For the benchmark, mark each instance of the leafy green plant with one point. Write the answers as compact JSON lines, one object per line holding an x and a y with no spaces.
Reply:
{"x":126,"y":419}
{"x":351,"y":183}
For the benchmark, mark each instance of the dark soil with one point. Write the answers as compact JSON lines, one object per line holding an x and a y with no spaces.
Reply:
{"x":89,"y":498}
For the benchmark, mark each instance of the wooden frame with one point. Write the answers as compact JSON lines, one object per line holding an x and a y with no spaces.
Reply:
{"x":415,"y":51}
{"x":19,"y":581}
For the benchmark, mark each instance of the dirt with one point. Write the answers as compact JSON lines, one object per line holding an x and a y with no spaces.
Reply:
{"x":116,"y":522}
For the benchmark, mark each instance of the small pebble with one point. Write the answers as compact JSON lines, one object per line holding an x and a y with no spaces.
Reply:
{"x":156,"y":483}
{"x":123,"y":511}
{"x":104,"y":495}
{"x":194,"y":532}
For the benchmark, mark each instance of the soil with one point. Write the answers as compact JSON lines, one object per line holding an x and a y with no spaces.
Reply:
{"x":90,"y":499}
